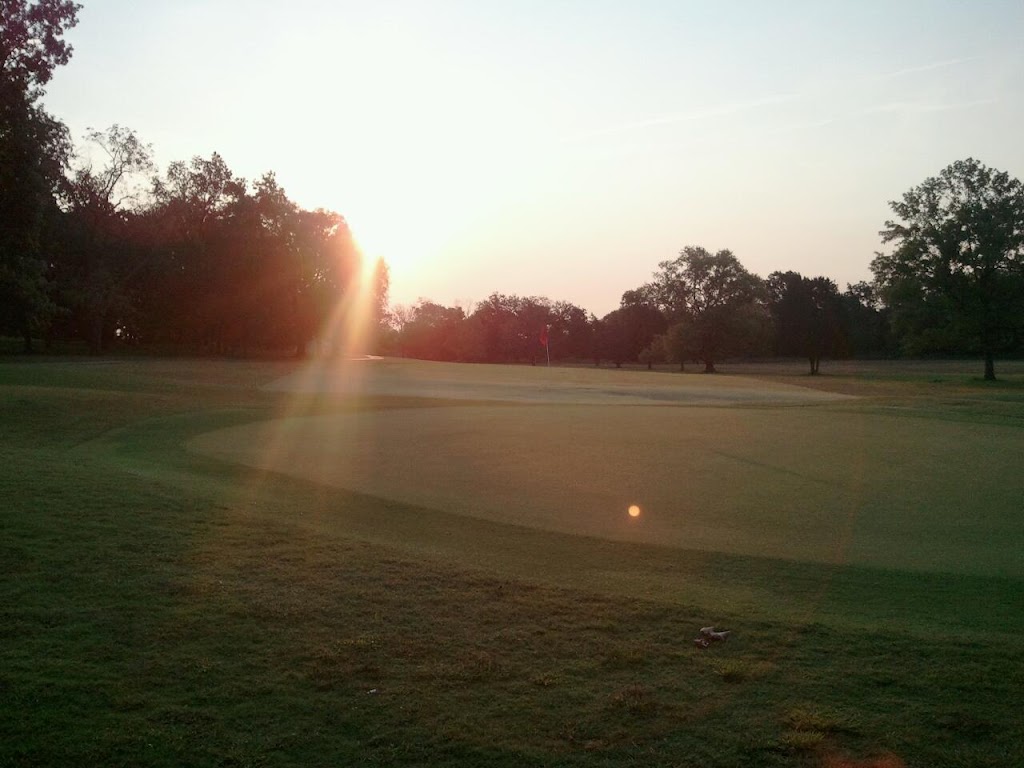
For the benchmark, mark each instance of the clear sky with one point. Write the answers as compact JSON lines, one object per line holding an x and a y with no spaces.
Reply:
{"x":564,"y":148}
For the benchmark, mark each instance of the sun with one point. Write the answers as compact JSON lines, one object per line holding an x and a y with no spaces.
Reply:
{"x":412,"y":202}
{"x":394,"y":235}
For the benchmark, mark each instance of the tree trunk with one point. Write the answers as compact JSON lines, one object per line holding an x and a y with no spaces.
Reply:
{"x":990,"y":366}
{"x":682,"y":366}
{"x":709,"y":366}
{"x":27,"y":336}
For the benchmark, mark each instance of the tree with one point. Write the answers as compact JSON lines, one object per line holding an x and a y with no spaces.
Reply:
{"x":653,"y":352}
{"x":713,"y":293}
{"x":328,"y":298}
{"x":678,"y":343}
{"x":33,"y":154}
{"x":959,"y":256}
{"x":381,"y":285}
{"x":209,"y":236}
{"x":805,"y":313}
{"x":493,"y":324}
{"x":532,"y":316}
{"x":630,"y":329}
{"x":100,"y":261}
{"x":864,"y":323}
{"x":507,"y":328}
{"x":432,"y":331}
{"x":242,"y":267}
{"x":31,"y":44}
{"x":571,"y":333}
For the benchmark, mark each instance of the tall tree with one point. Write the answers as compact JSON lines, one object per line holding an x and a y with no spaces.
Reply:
{"x":31,"y":42}
{"x":959,"y":252}
{"x":865,"y":327}
{"x":326,"y":271}
{"x":33,"y":153}
{"x":206,"y":221}
{"x":678,"y":343}
{"x":101,"y":259}
{"x":571,"y":334}
{"x":432,"y":332}
{"x":533,"y":316}
{"x":805,"y":314}
{"x":627,"y":331}
{"x":714,"y":294}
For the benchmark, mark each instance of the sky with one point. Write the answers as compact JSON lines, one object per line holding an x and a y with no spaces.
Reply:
{"x":563,"y":148}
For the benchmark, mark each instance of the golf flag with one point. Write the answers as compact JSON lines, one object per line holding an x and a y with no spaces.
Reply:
{"x":544,"y":335}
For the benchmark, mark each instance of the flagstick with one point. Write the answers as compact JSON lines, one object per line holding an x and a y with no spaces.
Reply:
{"x":547,"y":350}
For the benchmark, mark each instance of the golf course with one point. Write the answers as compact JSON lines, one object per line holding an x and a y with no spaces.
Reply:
{"x":396,"y":562}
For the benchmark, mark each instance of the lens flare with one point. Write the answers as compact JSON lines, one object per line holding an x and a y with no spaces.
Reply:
{"x":634,"y":510}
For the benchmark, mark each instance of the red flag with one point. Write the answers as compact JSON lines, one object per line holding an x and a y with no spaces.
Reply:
{"x":544,"y":335}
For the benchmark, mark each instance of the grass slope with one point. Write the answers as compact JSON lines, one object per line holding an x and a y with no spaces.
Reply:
{"x":161,"y":607}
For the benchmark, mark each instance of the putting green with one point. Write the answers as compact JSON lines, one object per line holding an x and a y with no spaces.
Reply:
{"x":813,"y":484}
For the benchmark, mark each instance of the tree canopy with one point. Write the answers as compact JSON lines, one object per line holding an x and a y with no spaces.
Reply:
{"x":957,"y":267}
{"x":805,"y":313}
{"x":626,"y":332}
{"x":33,"y":154}
{"x":32,"y":41}
{"x":712,"y":292}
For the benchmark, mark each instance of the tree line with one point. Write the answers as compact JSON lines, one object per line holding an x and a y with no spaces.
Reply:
{"x":952,"y":284}
{"x":700,"y":307}
{"x":97,"y":245}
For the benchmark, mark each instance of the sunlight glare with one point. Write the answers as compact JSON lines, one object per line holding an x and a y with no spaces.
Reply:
{"x":345,"y":333}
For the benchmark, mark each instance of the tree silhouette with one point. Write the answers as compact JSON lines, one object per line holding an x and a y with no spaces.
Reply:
{"x":805,"y":313}
{"x":101,"y":253}
{"x":627,"y":331}
{"x":713,"y":294}
{"x":958,"y":258}
{"x":33,"y":153}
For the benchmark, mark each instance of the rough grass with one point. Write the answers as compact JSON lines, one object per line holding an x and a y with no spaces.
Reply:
{"x":159,"y":607}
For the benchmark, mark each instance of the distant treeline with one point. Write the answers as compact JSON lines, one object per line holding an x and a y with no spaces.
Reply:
{"x":952,"y":284}
{"x":700,"y":307}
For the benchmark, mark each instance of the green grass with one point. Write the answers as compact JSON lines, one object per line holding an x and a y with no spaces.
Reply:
{"x":164,"y":607}
{"x":796,"y":483}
